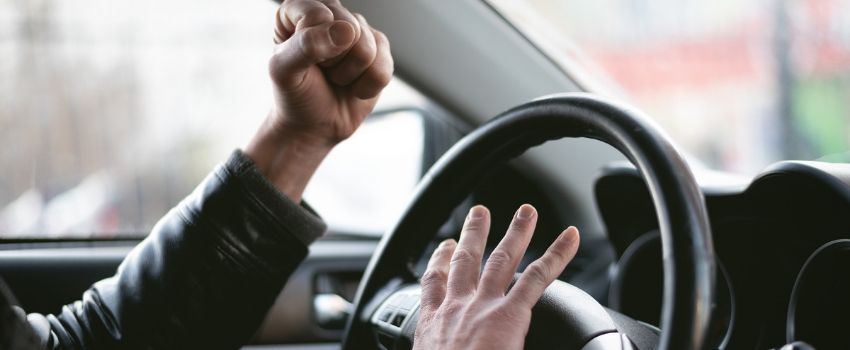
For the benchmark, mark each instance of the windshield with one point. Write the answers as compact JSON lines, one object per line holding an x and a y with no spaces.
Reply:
{"x":738,"y":84}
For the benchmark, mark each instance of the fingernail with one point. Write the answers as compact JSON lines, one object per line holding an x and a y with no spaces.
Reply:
{"x":570,"y":234}
{"x":341,"y":33}
{"x":525,"y":211}
{"x":477,"y":212}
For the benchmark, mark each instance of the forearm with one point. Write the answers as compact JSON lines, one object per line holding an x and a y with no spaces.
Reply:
{"x":204,"y":277}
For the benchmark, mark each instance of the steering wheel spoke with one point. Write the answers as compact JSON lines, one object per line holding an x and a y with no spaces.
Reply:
{"x":394,"y":321}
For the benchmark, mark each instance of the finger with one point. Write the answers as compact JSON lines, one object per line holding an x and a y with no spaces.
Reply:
{"x":503,"y":262}
{"x":358,"y":59}
{"x":341,"y":14}
{"x":434,"y":279}
{"x":466,"y":260}
{"x":296,"y":14}
{"x":379,"y":74}
{"x":308,"y":46}
{"x":306,"y":13}
{"x":280,"y":32}
{"x":543,"y":271}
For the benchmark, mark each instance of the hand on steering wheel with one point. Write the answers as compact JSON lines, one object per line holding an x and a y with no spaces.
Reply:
{"x":459,"y":310}
{"x":458,"y":307}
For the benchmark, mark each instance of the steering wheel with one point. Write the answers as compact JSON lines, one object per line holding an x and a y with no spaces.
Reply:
{"x":386,"y":307}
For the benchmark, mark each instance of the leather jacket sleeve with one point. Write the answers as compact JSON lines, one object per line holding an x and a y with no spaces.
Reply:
{"x":203,"y":279}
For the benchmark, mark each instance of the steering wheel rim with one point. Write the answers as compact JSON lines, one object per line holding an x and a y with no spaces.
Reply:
{"x":682,"y":217}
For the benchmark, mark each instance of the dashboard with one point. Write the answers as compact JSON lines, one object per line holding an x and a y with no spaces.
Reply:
{"x":783,"y":253}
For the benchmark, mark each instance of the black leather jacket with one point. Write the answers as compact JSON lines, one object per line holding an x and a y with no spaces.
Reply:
{"x":203,"y":279}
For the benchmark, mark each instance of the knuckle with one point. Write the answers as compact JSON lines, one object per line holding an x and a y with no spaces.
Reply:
{"x":462,"y":255}
{"x":370,"y":43}
{"x":319,"y":12}
{"x":314,"y":13}
{"x":538,"y":272}
{"x":506,"y":312}
{"x":359,"y":17}
{"x":380,"y":36}
{"x":382,"y":41}
{"x":451,"y":307}
{"x":499,"y":260}
{"x":315,"y":10}
{"x":384,"y":75}
{"x":434,"y":277}
{"x":309,"y":44}
{"x":430,"y":302}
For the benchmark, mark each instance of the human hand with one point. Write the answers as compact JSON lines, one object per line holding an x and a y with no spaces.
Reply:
{"x":327,"y":70}
{"x":459,"y":310}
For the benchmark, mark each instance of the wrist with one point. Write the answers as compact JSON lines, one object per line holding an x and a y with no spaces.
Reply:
{"x":286,"y":157}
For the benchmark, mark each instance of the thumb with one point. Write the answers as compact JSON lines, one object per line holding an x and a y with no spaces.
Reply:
{"x":309,"y":46}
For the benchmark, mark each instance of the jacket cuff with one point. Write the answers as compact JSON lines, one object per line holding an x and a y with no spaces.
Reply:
{"x":305,"y":224}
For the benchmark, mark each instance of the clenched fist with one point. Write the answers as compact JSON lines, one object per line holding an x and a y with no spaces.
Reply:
{"x":328,"y":68}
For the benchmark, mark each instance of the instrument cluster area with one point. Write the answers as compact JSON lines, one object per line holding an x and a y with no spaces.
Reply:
{"x":764,"y":232}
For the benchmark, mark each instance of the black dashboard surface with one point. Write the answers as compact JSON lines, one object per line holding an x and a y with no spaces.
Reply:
{"x":763,"y":234}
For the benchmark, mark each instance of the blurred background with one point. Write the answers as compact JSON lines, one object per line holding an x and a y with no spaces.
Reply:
{"x":111,"y":111}
{"x":738,"y":84}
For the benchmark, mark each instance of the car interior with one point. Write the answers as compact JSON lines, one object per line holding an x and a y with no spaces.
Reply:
{"x":719,"y":247}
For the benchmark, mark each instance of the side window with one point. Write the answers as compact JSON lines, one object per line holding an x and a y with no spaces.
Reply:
{"x":111,"y":113}
{"x":365,"y":182}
